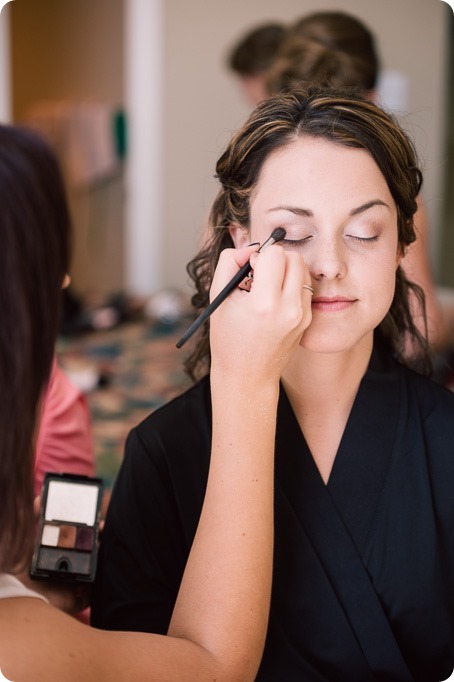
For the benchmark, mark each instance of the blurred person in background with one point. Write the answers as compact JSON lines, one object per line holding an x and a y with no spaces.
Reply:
{"x":252,"y":56}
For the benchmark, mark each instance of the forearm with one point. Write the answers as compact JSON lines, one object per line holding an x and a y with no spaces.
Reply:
{"x":224,"y":598}
{"x":230,"y":566}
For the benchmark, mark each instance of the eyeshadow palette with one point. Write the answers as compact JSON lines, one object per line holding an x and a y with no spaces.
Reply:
{"x":66,"y":547}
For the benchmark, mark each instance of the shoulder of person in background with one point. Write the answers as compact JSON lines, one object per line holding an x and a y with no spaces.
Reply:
{"x":64,"y":440}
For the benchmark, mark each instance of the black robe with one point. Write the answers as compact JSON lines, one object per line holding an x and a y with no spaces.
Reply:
{"x":363,"y":585}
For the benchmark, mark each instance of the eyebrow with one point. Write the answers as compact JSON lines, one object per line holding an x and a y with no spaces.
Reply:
{"x":368,"y":205}
{"x":307,"y":213}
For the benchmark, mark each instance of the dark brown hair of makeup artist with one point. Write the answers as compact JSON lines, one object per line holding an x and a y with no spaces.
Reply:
{"x":34,"y":258}
{"x":344,"y":117}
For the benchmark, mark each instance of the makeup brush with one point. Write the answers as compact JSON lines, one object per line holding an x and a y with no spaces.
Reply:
{"x":277,"y":234}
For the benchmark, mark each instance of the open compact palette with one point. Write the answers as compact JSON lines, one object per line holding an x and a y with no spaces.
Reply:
{"x":66,"y":546}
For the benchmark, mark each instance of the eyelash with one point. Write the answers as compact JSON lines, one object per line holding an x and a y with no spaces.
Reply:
{"x":363,"y":239}
{"x":297,"y":242}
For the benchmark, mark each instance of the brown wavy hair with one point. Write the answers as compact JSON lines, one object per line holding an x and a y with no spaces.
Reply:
{"x":344,"y":117}
{"x":34,"y":257}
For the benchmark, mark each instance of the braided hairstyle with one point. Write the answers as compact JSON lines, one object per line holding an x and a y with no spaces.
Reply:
{"x":326,"y":48}
{"x":345,"y":117}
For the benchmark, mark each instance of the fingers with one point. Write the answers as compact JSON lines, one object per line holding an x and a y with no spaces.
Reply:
{"x":278,"y":267}
{"x":274,"y":271}
{"x":230,"y":261}
{"x":296,"y":297}
{"x":297,"y":276}
{"x":269,"y":272}
{"x":280,"y":281}
{"x":275,"y":313}
{"x":276,"y":264}
{"x":37,"y":507}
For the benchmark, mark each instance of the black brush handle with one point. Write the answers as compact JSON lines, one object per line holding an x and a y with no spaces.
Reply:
{"x":277,"y":234}
{"x":205,"y":314}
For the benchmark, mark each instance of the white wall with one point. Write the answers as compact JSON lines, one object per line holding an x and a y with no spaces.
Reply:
{"x":5,"y":79}
{"x":144,"y":185}
{"x":203,"y":105}
{"x":187,"y":89}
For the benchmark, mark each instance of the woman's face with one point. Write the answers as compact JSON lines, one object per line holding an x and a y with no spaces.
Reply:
{"x":338,"y":212}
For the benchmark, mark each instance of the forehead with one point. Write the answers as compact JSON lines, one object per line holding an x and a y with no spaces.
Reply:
{"x":314,"y":168}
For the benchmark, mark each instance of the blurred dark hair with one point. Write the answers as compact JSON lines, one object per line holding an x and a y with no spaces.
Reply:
{"x":326,"y":48}
{"x":344,"y":117}
{"x":34,"y":257}
{"x":256,"y":50}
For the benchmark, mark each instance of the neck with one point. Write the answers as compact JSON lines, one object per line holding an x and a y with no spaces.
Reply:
{"x":321,"y":389}
{"x":327,"y":377}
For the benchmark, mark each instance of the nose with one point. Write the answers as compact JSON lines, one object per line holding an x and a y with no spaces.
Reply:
{"x":327,"y":261}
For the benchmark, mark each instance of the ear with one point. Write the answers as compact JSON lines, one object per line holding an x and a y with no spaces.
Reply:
{"x":239,"y":234}
{"x":399,"y":256}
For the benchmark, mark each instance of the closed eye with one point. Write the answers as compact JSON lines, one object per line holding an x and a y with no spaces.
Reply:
{"x":362,"y":239}
{"x":295,"y":242}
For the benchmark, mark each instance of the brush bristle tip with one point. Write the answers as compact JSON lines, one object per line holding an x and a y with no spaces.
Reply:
{"x":278,"y":234}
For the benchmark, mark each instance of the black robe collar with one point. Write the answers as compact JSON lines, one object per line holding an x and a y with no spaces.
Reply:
{"x":365,"y":451}
{"x":337,"y":516}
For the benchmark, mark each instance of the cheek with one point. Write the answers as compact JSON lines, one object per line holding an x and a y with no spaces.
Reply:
{"x":380,"y":265}
{"x":382,"y":283}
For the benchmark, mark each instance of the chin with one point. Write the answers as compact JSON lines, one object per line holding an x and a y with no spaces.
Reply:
{"x":326,"y":348}
{"x":330,"y":343}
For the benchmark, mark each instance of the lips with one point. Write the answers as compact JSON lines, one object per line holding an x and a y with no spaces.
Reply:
{"x":332,"y":303}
